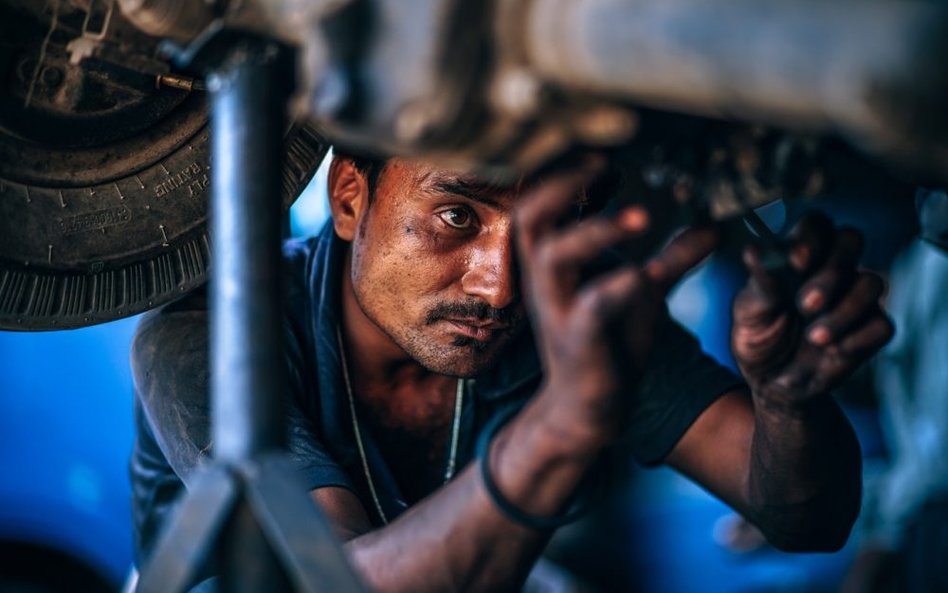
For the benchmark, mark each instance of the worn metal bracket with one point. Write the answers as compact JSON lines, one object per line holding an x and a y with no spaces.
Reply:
{"x":301,"y":538}
{"x":247,"y":512}
{"x":193,"y":531}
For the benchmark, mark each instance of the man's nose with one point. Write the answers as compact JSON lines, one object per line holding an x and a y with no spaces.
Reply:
{"x":490,"y":275}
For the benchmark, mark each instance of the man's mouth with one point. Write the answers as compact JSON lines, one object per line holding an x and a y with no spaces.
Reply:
{"x":482,"y":330}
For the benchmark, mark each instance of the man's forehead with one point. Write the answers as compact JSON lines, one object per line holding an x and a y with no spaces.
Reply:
{"x":471,"y":184}
{"x":493,"y":188}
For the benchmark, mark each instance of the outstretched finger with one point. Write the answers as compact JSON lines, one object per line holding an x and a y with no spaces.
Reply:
{"x":684,"y":252}
{"x":835,"y":277}
{"x":564,"y":259}
{"x":862,"y":300}
{"x":868,"y":339}
{"x":542,"y":208}
{"x":611,"y":294}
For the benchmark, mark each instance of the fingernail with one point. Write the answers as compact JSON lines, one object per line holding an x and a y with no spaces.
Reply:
{"x":820,"y":335}
{"x":633,"y":219}
{"x":750,"y":256}
{"x":812,"y":300}
{"x":799,"y":257}
{"x":655,"y":271}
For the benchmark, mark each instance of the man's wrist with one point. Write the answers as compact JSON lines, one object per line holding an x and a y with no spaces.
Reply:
{"x":502,"y":503}
{"x":570,"y":433}
{"x":536,"y":466}
{"x":787,"y":401}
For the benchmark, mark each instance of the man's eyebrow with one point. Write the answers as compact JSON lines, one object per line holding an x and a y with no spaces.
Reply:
{"x":474,"y":190}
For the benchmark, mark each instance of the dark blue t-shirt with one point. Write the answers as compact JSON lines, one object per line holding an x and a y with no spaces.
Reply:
{"x":169,"y":361}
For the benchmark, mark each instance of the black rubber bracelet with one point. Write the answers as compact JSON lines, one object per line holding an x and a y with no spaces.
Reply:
{"x":505,"y":506}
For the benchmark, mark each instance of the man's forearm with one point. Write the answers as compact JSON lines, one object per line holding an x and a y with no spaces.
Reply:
{"x":456,"y":540}
{"x":804,"y":480}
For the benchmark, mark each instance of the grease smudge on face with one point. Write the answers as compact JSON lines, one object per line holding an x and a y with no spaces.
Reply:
{"x":408,"y":261}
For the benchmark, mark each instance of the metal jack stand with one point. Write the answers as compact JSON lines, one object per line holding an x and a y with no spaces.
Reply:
{"x":247,"y":508}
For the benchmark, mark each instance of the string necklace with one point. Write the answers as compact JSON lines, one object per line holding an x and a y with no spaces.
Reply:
{"x":455,"y":430}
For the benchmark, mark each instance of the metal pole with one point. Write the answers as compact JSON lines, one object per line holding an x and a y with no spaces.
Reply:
{"x":248,"y":105}
{"x":249,"y":96}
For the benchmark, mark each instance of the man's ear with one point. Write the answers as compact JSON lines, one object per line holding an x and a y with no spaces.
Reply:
{"x":348,"y":197}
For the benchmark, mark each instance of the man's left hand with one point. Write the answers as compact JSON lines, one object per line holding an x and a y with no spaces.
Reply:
{"x":793,"y":347}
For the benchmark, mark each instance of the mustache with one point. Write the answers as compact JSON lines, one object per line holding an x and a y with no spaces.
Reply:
{"x":509,"y":315}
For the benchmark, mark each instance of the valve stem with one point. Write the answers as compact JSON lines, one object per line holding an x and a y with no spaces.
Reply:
{"x":179,"y":82}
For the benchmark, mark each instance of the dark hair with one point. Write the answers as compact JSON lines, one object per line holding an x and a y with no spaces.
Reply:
{"x":370,"y":166}
{"x":601,"y":191}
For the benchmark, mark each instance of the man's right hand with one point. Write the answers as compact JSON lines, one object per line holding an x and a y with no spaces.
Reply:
{"x":594,"y":334}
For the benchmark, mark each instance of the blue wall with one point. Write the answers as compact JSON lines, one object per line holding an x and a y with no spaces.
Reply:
{"x":65,"y":437}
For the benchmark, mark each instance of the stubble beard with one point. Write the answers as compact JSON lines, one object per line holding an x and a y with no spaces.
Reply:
{"x":465,"y":357}
{"x":469,"y":356}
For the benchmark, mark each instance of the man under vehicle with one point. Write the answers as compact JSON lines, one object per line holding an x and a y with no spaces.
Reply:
{"x":437,"y":310}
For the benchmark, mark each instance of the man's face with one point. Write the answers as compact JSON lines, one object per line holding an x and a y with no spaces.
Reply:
{"x":433,"y":266}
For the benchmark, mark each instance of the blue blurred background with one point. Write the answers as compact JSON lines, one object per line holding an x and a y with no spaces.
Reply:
{"x":65,"y":412}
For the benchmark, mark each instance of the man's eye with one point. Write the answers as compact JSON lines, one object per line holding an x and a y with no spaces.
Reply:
{"x":459,"y":218}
